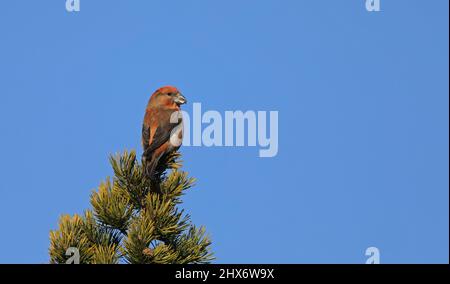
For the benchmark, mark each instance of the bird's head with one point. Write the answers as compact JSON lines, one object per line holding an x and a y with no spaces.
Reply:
{"x":168,"y":97}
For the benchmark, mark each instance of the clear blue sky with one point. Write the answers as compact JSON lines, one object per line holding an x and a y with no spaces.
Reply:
{"x":363,"y":120}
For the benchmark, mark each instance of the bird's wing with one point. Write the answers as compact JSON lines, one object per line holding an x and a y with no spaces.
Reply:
{"x":156,"y":132}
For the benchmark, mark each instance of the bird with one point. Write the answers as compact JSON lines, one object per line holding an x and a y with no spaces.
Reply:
{"x":162,"y":128}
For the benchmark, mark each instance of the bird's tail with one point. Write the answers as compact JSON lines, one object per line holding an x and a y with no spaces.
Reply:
{"x":149,"y":167}
{"x":150,"y":171}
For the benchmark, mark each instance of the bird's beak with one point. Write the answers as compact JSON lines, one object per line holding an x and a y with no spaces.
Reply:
{"x":180,"y":99}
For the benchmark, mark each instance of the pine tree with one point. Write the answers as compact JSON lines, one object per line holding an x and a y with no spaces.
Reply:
{"x":132,"y":222}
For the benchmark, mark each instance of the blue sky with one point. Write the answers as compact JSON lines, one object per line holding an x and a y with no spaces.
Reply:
{"x":363,"y":120}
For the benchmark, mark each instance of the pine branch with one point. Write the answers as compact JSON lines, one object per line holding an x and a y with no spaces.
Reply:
{"x":133,"y":222}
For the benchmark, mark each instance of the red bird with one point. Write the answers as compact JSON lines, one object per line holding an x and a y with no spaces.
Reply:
{"x":162,"y":127}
